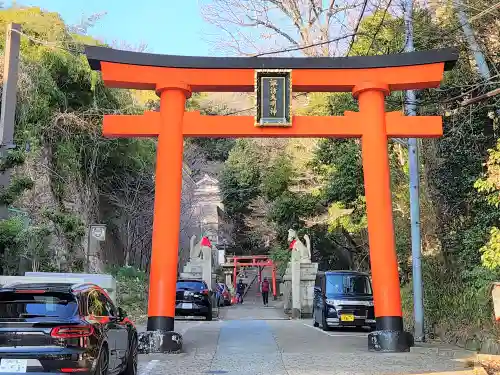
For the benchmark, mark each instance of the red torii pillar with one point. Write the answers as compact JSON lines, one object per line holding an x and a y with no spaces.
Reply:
{"x":370,"y":79}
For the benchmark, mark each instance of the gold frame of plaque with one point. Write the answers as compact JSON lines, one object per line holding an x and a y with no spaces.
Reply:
{"x":260,"y":75}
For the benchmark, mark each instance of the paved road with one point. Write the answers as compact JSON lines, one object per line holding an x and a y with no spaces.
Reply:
{"x":253,"y":340}
{"x":284,"y":347}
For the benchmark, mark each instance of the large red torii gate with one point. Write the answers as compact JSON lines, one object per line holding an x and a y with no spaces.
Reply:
{"x":369,"y":78}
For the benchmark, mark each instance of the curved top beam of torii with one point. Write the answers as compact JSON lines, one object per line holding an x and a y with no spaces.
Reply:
{"x":145,"y":71}
{"x":96,"y":55}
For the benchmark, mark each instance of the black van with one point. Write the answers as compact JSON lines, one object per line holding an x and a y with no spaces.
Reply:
{"x":343,"y":299}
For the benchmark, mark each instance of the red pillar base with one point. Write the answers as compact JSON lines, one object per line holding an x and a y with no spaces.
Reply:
{"x":159,"y":342}
{"x":390,"y":336}
{"x":160,"y":337}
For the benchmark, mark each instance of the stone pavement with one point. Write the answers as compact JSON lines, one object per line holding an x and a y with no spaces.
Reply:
{"x":253,"y":340}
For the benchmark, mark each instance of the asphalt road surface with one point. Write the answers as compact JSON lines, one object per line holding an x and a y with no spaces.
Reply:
{"x":250,"y":339}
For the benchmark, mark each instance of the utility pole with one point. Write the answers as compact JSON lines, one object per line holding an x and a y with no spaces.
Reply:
{"x":474,"y":47}
{"x":418,"y":305}
{"x":471,"y":41}
{"x":7,"y":119}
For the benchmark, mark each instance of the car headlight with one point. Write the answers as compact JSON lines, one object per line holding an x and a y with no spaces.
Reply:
{"x":370,"y":303}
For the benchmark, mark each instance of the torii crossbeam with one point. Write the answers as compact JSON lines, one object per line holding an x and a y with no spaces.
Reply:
{"x":369,"y":78}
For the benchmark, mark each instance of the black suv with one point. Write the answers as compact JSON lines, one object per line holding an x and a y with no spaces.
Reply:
{"x":193,"y":298}
{"x":343,"y":299}
{"x":64,"y":328}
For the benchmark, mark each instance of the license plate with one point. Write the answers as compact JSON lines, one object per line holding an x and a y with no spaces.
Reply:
{"x":13,"y":365}
{"x":186,"y":306}
{"x":347,"y":318}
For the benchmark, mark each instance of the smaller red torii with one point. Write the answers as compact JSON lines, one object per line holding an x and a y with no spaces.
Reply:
{"x":254,"y":261}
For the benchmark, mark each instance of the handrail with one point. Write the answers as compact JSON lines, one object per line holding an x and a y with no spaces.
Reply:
{"x":250,"y":285}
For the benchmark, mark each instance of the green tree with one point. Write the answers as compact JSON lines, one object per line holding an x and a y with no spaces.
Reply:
{"x":277,"y":177}
{"x":241,"y":177}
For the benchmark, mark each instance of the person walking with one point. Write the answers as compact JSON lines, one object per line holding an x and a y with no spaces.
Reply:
{"x":265,"y":291}
{"x":240,"y":290}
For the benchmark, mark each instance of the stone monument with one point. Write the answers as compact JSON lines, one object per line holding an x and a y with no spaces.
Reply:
{"x":299,"y":279}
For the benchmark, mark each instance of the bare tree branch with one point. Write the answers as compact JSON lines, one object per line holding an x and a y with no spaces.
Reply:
{"x":361,"y":14}
{"x":274,"y":28}
{"x":298,"y":23}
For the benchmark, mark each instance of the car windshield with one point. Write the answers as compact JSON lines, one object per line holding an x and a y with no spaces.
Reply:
{"x":32,"y":305}
{"x":190,"y":285}
{"x":348,"y":284}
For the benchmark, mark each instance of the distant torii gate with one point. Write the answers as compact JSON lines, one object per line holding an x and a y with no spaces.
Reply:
{"x":369,"y":78}
{"x":259,"y":261}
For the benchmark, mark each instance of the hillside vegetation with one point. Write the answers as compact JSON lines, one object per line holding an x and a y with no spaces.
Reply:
{"x":66,"y":175}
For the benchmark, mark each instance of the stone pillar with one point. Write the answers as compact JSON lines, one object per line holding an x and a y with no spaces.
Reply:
{"x":228,"y":279}
{"x":295,"y":269}
{"x":298,"y":288}
{"x":207,"y":265}
{"x":308,"y":273}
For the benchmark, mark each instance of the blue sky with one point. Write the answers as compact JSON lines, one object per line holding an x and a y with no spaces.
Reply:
{"x":166,"y":26}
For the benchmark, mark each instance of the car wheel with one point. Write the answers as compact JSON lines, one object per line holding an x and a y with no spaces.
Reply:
{"x":208,"y":317}
{"x":315,"y":323}
{"x":324,"y":325}
{"x":102,"y":366}
{"x":131,"y":368}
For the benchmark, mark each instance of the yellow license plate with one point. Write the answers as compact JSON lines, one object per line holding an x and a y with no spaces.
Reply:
{"x":347,"y":318}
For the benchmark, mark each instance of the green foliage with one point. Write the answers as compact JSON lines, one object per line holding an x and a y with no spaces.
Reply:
{"x":31,"y":246}
{"x":17,"y":186}
{"x":351,"y":219}
{"x":12,"y":159}
{"x":40,"y":24}
{"x":132,"y":291}
{"x":60,"y":107}
{"x":490,"y":183}
{"x":216,"y":149}
{"x":490,"y":186}
{"x":241,"y":177}
{"x":70,"y":225}
{"x":288,"y":209}
{"x":388,"y":39}
{"x":456,"y":305}
{"x":339,"y":160}
{"x":280,"y":257}
{"x":277,"y":177}
{"x":9,"y":231}
{"x":332,"y":104}
{"x":491,"y":251}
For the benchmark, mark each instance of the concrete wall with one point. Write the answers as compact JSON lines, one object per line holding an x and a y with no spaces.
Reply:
{"x":106,"y":282}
